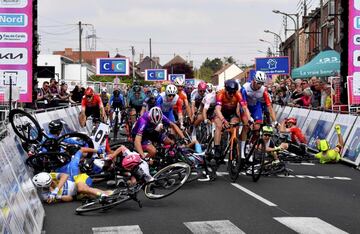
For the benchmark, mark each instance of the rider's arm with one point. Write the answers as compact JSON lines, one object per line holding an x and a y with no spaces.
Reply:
{"x":187,"y":106}
{"x":267,"y":100}
{"x":243,"y":105}
{"x":138,"y":146}
{"x":283,"y":128}
{"x":340,"y":144}
{"x":179,"y":105}
{"x":177,"y":130}
{"x":83,"y":105}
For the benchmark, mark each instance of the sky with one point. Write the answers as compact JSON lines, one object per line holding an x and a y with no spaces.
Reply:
{"x":193,"y":29}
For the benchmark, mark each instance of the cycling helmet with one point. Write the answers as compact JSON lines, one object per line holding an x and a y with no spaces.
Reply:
{"x":291,"y":120}
{"x":209,"y":87}
{"x":89,"y":91}
{"x":131,"y":161}
{"x":136,"y":88}
{"x":179,"y":81}
{"x":155,"y":115}
{"x":55,"y":126}
{"x":116,"y":93}
{"x":86,"y":165}
{"x":42,"y":180}
{"x":231,"y":86}
{"x":323,"y":145}
{"x":260,"y":77}
{"x":154,"y":93}
{"x":171,"y":90}
{"x":202,"y":86}
{"x":104,"y":90}
{"x":268,"y":130}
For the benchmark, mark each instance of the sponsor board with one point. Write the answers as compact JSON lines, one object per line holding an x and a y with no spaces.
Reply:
{"x":13,"y":20}
{"x":13,"y":37}
{"x":13,"y":3}
{"x":13,"y":56}
{"x":112,"y":66}
{"x":18,"y":77}
{"x":155,"y":74}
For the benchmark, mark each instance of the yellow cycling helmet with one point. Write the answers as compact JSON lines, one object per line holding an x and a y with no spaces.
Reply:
{"x":323,"y":145}
{"x":268,"y":130}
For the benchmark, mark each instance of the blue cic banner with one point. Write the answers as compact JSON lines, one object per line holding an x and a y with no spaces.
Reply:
{"x":155,"y":74}
{"x":190,"y":82}
{"x":112,"y":67}
{"x":172,"y":77}
{"x":252,"y":73}
{"x":273,"y":65}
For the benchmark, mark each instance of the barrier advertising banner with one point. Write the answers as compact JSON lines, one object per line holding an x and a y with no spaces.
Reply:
{"x":16,"y":42}
{"x":310,"y":123}
{"x":300,"y":115}
{"x":352,"y":145}
{"x":322,"y":128}
{"x":284,"y":114}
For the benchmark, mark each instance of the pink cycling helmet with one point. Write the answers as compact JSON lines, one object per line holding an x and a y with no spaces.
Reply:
{"x":131,"y":161}
{"x":202,"y":86}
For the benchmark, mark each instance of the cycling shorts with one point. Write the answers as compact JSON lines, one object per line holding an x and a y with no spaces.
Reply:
{"x":93,"y":111}
{"x":170,"y":115}
{"x":137,"y":108}
{"x":149,"y":137}
{"x":256,"y":112}
{"x":84,"y":178}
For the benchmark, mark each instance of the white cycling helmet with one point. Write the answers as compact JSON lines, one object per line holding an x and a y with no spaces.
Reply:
{"x":42,"y":180}
{"x":179,"y":81}
{"x":155,"y":115}
{"x":260,"y":77}
{"x":209,"y":87}
{"x":171,"y":90}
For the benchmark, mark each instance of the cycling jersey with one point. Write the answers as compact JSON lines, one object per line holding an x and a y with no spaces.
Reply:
{"x":134,"y":101}
{"x":72,"y":168}
{"x":117,"y":102}
{"x":296,"y":135}
{"x":252,"y":97}
{"x":69,"y":188}
{"x":209,"y":101}
{"x":105,"y":99}
{"x":149,"y":103}
{"x":229,"y":104}
{"x":94,"y":102}
{"x":167,"y":105}
{"x":328,"y":156}
{"x":196,"y":98}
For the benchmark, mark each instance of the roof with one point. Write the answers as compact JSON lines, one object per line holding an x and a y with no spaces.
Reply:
{"x":87,"y":56}
{"x":224,"y":68}
{"x":148,"y":63}
{"x":176,"y":60}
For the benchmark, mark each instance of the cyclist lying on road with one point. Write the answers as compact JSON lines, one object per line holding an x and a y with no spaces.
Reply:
{"x":59,"y":187}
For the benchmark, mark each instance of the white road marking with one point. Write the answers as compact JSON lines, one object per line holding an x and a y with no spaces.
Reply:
{"x":303,"y":163}
{"x":309,"y":225}
{"x":212,"y":227}
{"x":131,"y":229}
{"x":260,"y":198}
{"x":315,"y":177}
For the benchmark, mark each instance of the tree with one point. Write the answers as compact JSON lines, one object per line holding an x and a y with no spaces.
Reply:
{"x":229,"y":60}
{"x":204,"y":73}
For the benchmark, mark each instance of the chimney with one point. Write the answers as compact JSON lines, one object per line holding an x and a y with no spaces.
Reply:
{"x":68,"y":52}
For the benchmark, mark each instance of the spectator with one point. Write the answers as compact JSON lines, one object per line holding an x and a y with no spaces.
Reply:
{"x":64,"y":95}
{"x":316,"y":90}
{"x":305,"y":99}
{"x":54,"y":87}
{"x":328,"y":98}
{"x":44,"y":96}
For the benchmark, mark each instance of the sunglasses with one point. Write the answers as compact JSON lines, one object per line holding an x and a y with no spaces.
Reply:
{"x":201,"y":91}
{"x":88,"y":97}
{"x":231,"y":93}
{"x":259,"y":83}
{"x":171,"y":95}
{"x":267,"y":135}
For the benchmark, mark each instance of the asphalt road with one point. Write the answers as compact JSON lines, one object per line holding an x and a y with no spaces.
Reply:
{"x":314,"y":199}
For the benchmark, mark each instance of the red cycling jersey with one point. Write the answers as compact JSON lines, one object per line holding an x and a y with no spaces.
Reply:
{"x":297,"y":135}
{"x":229,"y":104}
{"x":95,"y":101}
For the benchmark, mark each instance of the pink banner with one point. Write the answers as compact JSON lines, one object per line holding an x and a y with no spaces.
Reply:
{"x":16,"y":29}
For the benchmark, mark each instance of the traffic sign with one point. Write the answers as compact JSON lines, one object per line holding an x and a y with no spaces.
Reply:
{"x":112,"y":67}
{"x":273,"y":65}
{"x":155,"y":74}
{"x":172,"y":77}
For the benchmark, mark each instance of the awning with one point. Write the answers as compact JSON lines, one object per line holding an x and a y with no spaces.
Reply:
{"x":326,"y":63}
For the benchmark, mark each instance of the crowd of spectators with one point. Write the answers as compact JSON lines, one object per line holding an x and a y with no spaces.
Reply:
{"x":314,"y":93}
{"x":54,"y":94}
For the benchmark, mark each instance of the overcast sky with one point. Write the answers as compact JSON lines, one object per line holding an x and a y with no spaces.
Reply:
{"x":194,"y":29}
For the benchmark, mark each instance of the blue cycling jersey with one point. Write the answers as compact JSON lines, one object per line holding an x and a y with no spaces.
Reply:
{"x":133,"y":101}
{"x":117,"y":101}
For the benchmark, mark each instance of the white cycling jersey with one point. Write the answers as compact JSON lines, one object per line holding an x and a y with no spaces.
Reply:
{"x":167,"y":105}
{"x":253,"y":96}
{"x":209,"y":101}
{"x":196,"y":98}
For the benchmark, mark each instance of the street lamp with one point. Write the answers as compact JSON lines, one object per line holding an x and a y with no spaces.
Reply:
{"x":296,"y":24}
{"x":262,"y":40}
{"x":277,"y":35}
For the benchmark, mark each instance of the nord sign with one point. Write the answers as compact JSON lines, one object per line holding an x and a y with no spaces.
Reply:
{"x":13,"y":20}
{"x":112,"y":67}
{"x":13,"y":56}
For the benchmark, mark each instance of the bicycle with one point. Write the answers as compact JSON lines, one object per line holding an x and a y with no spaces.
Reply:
{"x":166,"y":182}
{"x":57,"y":153}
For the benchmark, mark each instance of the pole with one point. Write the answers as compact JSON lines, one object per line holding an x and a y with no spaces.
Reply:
{"x":297,"y":41}
{"x":150,"y":53}
{"x":133,"y":61}
{"x":10,"y":93}
{"x":80,"y":52}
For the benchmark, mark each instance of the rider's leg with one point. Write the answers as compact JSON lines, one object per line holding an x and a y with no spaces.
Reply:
{"x":150,"y":149}
{"x":199,"y":119}
{"x":82,"y":119}
{"x":217,"y":137}
{"x":243,"y":135}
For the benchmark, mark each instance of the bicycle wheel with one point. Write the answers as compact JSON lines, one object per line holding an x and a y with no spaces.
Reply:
{"x":168,"y":180}
{"x":116,"y":126}
{"x":257,"y":165}
{"x":25,"y":126}
{"x":48,"y":161}
{"x":76,"y":138}
{"x":234,"y":161}
{"x":113,"y":200}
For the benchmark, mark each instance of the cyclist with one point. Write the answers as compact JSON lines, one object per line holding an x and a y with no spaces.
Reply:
{"x":58,"y":187}
{"x":289,"y":126}
{"x":209,"y":103}
{"x":91,"y":105}
{"x":146,"y":131}
{"x":150,"y":101}
{"x":326,"y":154}
{"x":166,"y":102}
{"x":135,"y":101}
{"x":105,"y":97}
{"x":227,"y":111}
{"x":179,"y":82}
{"x":197,"y":95}
{"x":117,"y":100}
{"x":270,"y":146}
